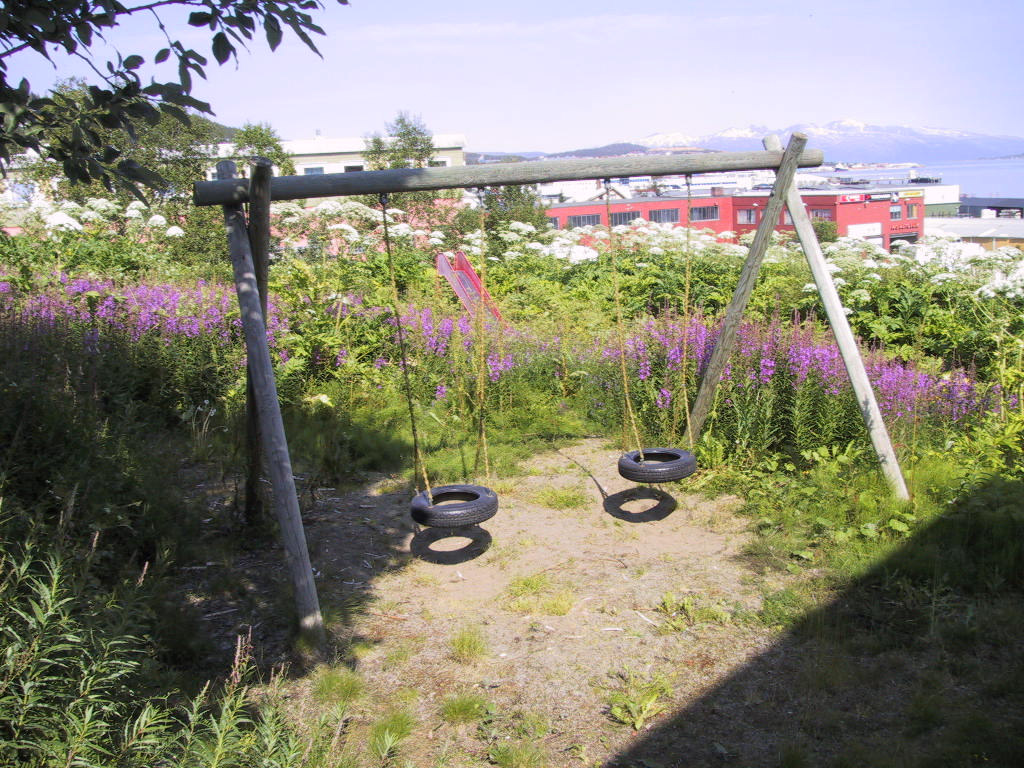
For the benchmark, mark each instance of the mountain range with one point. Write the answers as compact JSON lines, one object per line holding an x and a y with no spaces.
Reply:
{"x":848,"y":141}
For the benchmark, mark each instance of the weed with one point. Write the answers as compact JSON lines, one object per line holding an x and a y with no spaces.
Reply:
{"x":468,"y":645}
{"x":387,"y":733}
{"x":638,"y":698}
{"x":682,"y":613}
{"x":529,"y":725}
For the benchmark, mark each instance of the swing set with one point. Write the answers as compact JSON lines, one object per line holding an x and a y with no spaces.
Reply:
{"x":457,"y":506}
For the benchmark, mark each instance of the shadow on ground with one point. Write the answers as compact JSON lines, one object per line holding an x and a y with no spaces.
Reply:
{"x":918,"y":663}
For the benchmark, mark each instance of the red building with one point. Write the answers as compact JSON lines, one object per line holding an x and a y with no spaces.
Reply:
{"x":881,"y":216}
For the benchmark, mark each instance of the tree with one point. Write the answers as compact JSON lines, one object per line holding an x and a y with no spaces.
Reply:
{"x":178,"y":152}
{"x":261,"y":140}
{"x":408,"y":144}
{"x":72,"y":131}
{"x":825,"y":230}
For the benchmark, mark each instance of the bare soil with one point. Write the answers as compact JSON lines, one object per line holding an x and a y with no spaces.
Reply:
{"x":394,"y":595}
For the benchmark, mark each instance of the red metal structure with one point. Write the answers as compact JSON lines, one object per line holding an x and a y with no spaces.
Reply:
{"x":466,"y":282}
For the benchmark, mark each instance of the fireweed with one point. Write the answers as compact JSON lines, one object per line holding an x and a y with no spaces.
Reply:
{"x":784,"y":386}
{"x":183,"y":342}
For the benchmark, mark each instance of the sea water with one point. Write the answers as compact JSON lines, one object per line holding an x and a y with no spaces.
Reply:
{"x":1003,"y":177}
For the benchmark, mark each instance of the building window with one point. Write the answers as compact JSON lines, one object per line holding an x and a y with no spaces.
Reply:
{"x":704,"y":213}
{"x":746,"y":216}
{"x":353,"y":168}
{"x":821,"y":213}
{"x":315,"y":171}
{"x":912,"y":211}
{"x":786,"y":218}
{"x":585,"y":220}
{"x":552,"y":222}
{"x":623,"y":218}
{"x":895,"y":212}
{"x":665,"y":215}
{"x":439,"y":163}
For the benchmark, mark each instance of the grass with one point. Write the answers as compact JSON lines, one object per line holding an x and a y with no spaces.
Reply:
{"x":464,"y":708}
{"x":336,"y":685}
{"x":554,"y":497}
{"x":537,"y":593}
{"x":468,"y":645}
{"x":401,"y":652}
{"x":519,"y":754}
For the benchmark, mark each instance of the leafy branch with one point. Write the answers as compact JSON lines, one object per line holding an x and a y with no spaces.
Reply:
{"x":71,"y":133}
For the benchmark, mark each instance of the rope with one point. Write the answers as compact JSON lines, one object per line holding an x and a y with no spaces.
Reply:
{"x":631,"y":415}
{"x":481,"y":378}
{"x":686,"y":316}
{"x":418,"y":463}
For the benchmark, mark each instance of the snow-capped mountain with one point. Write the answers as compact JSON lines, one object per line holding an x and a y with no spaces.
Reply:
{"x":854,"y":141}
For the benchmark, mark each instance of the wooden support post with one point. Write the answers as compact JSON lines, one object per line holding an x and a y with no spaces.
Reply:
{"x":259,"y":242}
{"x":734,"y":314}
{"x":286,"y":502}
{"x":844,"y":337}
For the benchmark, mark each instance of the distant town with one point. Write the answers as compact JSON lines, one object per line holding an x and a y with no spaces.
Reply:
{"x":895,"y":205}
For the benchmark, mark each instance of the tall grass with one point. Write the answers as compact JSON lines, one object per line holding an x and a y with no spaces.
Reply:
{"x":72,"y":684}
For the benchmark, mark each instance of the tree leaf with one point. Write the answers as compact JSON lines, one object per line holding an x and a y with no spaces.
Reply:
{"x":162,"y":55}
{"x":222,"y":48}
{"x":273,"y":29}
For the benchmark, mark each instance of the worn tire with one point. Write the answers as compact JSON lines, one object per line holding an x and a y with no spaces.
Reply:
{"x":659,"y":465}
{"x":454,"y":506}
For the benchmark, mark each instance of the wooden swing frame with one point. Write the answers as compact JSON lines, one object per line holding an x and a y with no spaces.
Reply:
{"x":249,"y":248}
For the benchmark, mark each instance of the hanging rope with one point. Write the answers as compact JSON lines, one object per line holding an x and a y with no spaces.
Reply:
{"x":478,"y":322}
{"x":686,"y":317}
{"x":612,"y":246}
{"x":418,"y":464}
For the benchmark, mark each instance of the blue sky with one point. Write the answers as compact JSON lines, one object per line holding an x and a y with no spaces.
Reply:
{"x":548,"y":76}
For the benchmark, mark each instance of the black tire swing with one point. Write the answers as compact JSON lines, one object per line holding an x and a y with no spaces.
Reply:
{"x":657,"y":465}
{"x":446,"y":506}
{"x":651,"y":465}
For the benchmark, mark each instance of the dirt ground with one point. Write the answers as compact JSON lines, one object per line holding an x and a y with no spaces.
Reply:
{"x":394,"y":596}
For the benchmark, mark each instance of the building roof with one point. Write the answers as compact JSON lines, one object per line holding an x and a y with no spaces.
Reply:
{"x":325,"y":145}
{"x":963,"y":227}
{"x":992,"y":202}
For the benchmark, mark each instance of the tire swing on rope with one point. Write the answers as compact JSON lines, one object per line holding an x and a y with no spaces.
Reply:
{"x":657,"y":465}
{"x":651,"y":465}
{"x":446,"y":506}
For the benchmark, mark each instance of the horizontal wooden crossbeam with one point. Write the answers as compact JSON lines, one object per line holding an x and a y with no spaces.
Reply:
{"x":226,"y":192}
